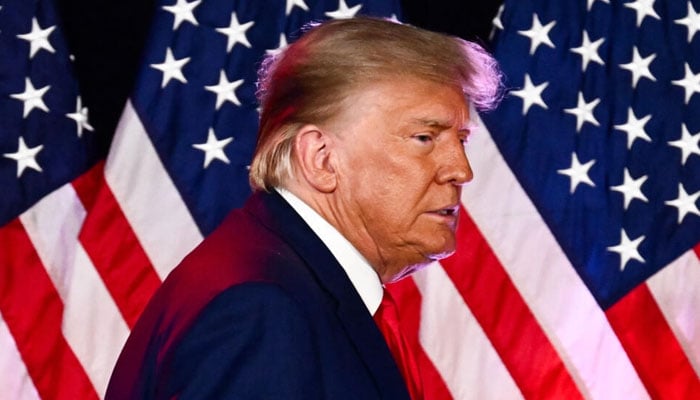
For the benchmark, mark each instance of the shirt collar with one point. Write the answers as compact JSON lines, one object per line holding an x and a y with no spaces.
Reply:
{"x":362,"y":276}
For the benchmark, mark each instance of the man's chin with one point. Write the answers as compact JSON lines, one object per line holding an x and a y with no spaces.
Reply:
{"x":420,"y":257}
{"x":445,"y":250}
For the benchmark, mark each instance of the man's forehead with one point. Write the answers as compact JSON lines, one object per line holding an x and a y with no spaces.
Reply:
{"x":415,"y":101}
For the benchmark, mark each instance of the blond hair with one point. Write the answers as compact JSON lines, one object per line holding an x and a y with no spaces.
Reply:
{"x":310,"y":81}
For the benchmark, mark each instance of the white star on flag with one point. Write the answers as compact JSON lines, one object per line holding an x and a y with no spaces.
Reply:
{"x":690,"y":83}
{"x":627,"y":249}
{"x":685,"y":203}
{"x":691,"y":21}
{"x":644,"y":8}
{"x":32,"y":97}
{"x":38,"y":38}
{"x":80,"y":116}
{"x":631,"y":188}
{"x":171,"y":68}
{"x":236,"y":32}
{"x":639,"y":66}
{"x":213,"y":148}
{"x":497,"y":21}
{"x":584,"y":112}
{"x":578,"y":172}
{"x":225,"y":90}
{"x":292,"y":3}
{"x":25,"y":157}
{"x":589,"y":51}
{"x":531,"y":94}
{"x":183,"y":11}
{"x":634,"y":128}
{"x":538,"y":34}
{"x":343,"y":11}
{"x":687,"y":143}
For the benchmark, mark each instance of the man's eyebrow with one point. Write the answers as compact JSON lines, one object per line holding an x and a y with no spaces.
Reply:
{"x":432,"y":123}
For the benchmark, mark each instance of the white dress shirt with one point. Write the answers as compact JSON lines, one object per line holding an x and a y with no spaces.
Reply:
{"x":361,"y":274}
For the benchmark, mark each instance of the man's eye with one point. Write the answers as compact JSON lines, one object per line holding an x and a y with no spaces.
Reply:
{"x":424,"y":138}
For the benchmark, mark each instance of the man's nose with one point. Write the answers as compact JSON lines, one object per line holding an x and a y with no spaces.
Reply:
{"x":455,"y":167}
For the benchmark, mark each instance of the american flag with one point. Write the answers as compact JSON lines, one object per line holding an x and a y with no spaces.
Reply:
{"x":579,"y":259}
{"x":577,"y":272}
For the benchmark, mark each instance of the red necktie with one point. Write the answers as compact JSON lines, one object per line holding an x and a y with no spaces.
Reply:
{"x":387,"y":319}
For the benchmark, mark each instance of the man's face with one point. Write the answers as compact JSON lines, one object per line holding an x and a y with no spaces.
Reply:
{"x":401,"y":166}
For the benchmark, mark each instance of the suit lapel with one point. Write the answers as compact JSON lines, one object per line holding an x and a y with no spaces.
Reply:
{"x":278,"y":215}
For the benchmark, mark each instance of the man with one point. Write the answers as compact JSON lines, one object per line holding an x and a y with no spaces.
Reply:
{"x":358,"y":172}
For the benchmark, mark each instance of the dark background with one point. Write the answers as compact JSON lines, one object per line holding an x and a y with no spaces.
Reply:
{"x":107,"y":38}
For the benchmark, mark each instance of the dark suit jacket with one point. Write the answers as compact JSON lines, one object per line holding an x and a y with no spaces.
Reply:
{"x":260,"y":310}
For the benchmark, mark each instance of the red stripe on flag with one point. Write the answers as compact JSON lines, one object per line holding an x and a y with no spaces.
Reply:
{"x":697,"y":250}
{"x":506,"y":319}
{"x":33,"y":311}
{"x":651,"y":345}
{"x":409,"y":299}
{"x":113,"y":247}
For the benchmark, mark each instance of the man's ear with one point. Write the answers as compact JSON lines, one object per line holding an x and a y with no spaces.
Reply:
{"x":314,"y":152}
